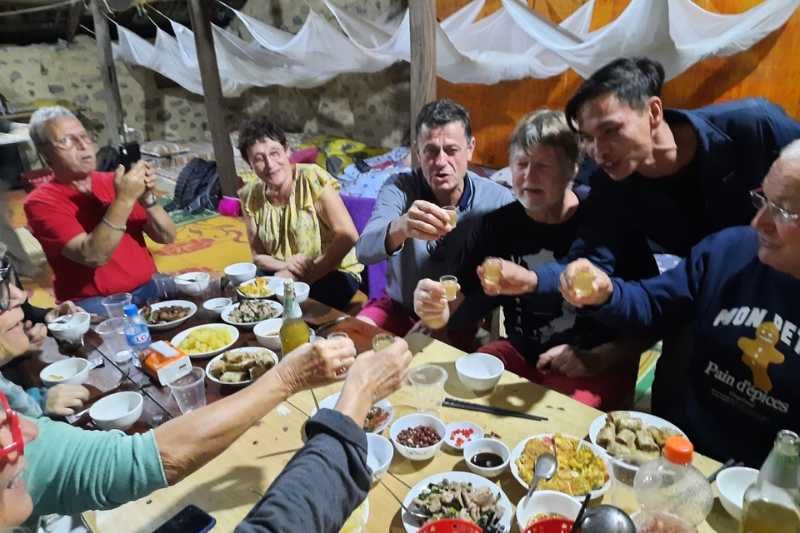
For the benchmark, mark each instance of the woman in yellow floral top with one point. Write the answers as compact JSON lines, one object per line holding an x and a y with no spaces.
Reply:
{"x":297,"y":223}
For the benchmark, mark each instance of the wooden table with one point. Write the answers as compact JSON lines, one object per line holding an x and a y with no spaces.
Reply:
{"x":228,"y":486}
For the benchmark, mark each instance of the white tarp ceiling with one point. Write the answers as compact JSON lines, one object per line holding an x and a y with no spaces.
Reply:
{"x":511,"y":43}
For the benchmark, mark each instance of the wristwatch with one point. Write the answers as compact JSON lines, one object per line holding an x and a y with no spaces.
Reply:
{"x":149,"y":200}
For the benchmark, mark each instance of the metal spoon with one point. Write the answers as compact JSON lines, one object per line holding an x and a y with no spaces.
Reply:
{"x":422,"y":517}
{"x":605,"y":518}
{"x":545,"y":468}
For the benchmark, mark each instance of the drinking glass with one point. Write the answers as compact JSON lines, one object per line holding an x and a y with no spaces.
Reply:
{"x":381,"y":341}
{"x":112,"y":331}
{"x":450,"y":284}
{"x":115,"y":303}
{"x":427,"y":384}
{"x":190,"y":390}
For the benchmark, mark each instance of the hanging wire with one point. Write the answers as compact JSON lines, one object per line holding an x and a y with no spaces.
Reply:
{"x":87,"y":30}
{"x":148,"y":6}
{"x":38,"y":8}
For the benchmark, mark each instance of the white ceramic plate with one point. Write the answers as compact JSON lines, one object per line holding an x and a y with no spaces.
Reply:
{"x":174,"y":323}
{"x":477,"y":481}
{"x":598,"y":451}
{"x":651,"y":420}
{"x":273,"y":284}
{"x":329,"y":402}
{"x":211,"y":377}
{"x":234,"y":333}
{"x":226,"y":314}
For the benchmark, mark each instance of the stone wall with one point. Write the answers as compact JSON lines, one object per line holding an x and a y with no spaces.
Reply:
{"x":369,"y":107}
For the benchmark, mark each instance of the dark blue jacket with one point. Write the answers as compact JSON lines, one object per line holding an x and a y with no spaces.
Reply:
{"x":737,"y":143}
{"x":744,"y":375}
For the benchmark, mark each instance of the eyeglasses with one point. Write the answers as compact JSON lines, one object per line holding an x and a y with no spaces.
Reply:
{"x":8,"y":277}
{"x":17,"y":442}
{"x":67,"y":142}
{"x":778,"y":214}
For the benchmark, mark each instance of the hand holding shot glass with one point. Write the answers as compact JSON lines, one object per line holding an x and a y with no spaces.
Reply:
{"x":582,"y":283}
{"x":431,"y":300}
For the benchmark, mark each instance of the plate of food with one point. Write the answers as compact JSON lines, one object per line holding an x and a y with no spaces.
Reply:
{"x":631,"y":438}
{"x":582,"y":466}
{"x":206,"y":340}
{"x":167,"y":314}
{"x":260,"y":287}
{"x":240,"y":366}
{"x":379,"y":415}
{"x":458,"y":495}
{"x":250,"y":312}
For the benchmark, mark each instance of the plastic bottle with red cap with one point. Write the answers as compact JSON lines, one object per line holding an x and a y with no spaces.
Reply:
{"x":671,"y":489}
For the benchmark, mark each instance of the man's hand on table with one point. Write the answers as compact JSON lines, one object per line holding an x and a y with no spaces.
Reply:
{"x":63,"y":400}
{"x":317,"y":364}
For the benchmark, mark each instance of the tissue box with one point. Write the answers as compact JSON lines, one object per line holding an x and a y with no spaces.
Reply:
{"x":164,"y":362}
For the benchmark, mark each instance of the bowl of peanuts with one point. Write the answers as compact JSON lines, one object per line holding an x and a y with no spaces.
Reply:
{"x":418,"y":436}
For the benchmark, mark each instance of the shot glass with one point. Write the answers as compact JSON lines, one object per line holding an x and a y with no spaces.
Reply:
{"x":450,"y":284}
{"x":583,"y":283}
{"x":381,"y":341}
{"x":452,"y":212}
{"x":492,"y":270}
{"x":190,"y":390}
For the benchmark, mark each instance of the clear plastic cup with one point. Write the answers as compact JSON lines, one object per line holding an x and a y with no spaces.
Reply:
{"x":190,"y":390}
{"x":427,"y":384}
{"x":381,"y":341}
{"x":112,"y":331}
{"x":115,"y":303}
{"x":165,"y":286}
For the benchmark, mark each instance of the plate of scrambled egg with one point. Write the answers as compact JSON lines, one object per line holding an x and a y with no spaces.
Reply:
{"x":206,"y":340}
{"x":582,"y":466}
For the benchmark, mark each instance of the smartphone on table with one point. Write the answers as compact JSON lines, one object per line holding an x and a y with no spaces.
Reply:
{"x":190,"y":519}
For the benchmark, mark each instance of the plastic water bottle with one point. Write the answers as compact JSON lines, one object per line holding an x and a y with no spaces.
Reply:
{"x":136,"y":330}
{"x":671,"y":485}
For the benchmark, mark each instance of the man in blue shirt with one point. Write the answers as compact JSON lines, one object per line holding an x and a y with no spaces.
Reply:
{"x":664,"y":177}
{"x":737,"y":290}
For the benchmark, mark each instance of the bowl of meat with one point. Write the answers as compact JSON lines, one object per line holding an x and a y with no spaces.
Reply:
{"x":248,"y":313}
{"x":168,"y":314}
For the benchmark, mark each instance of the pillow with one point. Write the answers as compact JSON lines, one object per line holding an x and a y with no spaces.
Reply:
{"x":304,"y":155}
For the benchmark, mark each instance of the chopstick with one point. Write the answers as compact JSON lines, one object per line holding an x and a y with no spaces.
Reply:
{"x":499,"y":411}
{"x":730,"y":462}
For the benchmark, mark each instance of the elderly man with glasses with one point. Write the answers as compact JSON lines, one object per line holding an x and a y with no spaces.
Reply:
{"x":92,"y":224}
{"x":736,"y":291}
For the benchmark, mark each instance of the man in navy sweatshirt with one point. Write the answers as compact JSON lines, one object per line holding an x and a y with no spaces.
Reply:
{"x":737,"y":290}
{"x":665,"y":178}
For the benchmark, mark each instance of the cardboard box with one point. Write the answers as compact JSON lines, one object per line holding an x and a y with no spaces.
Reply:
{"x":165,"y":362}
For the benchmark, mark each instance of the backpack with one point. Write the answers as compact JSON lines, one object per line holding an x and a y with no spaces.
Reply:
{"x":197,"y":187}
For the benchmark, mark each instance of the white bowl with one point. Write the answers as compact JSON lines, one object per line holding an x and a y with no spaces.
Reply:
{"x":479,"y":372}
{"x":178,"y":339}
{"x":597,"y":450}
{"x":73,"y":370}
{"x":193,"y":283}
{"x":412,"y":420}
{"x":731,"y":484}
{"x":173,"y":323}
{"x":240,"y":272}
{"x":379,"y":455}
{"x":301,"y":290}
{"x":546,"y":502}
{"x":272,"y":355}
{"x":274,"y":285}
{"x":117,"y":411}
{"x":450,"y":438}
{"x":261,"y":330}
{"x":486,"y":445}
{"x":72,"y":328}
{"x":216,"y":305}
{"x":226,"y":314}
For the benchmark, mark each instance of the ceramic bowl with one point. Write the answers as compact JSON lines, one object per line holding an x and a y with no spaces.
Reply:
{"x":379,"y":455}
{"x":70,"y":328}
{"x":479,"y":372}
{"x":731,"y":484}
{"x":266,"y":333}
{"x":487,"y":445}
{"x":544,"y":502}
{"x":216,"y":305}
{"x":240,"y":272}
{"x":413,"y":420}
{"x":117,"y":411}
{"x":73,"y":370}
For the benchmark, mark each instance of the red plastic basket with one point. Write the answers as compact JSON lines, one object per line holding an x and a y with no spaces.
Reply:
{"x":451,"y":525}
{"x":551,"y":525}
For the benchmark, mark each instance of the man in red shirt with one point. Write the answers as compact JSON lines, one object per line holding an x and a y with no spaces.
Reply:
{"x":91,"y":224}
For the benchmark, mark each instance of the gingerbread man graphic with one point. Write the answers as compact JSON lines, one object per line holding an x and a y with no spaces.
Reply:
{"x":760,"y":352}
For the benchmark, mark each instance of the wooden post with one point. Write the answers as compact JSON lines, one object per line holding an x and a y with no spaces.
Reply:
{"x":212,"y":93}
{"x":422,"y":14}
{"x":73,"y":20}
{"x":114,"y":116}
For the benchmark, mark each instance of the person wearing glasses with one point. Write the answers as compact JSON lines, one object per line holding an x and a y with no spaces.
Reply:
{"x":736,"y":290}
{"x":92,"y":224}
{"x":68,"y":470}
{"x":410,"y":226}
